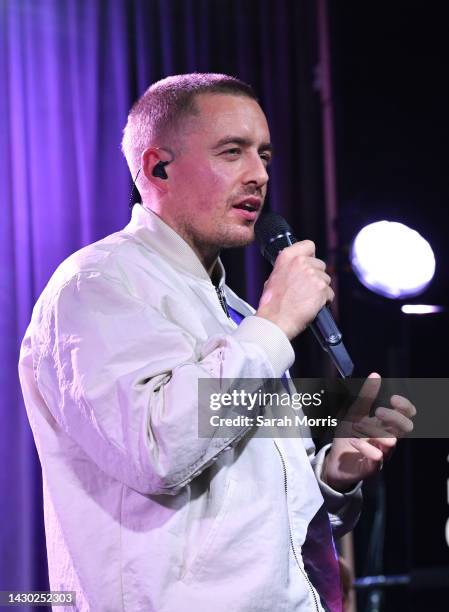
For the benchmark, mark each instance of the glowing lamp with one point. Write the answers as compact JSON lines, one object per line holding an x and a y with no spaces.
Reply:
{"x":421,"y":309}
{"x":392,"y":259}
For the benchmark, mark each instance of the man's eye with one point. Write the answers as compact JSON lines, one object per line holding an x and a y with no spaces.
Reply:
{"x":233,"y":151}
{"x":266,"y":157}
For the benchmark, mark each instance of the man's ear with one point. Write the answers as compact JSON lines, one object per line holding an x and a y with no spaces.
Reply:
{"x":152,"y":160}
{"x":149,"y":160}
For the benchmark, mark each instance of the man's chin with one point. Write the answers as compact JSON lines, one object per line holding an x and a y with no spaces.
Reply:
{"x":239,"y":239}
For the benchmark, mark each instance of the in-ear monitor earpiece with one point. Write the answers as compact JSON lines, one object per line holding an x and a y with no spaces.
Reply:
{"x":159,"y":170}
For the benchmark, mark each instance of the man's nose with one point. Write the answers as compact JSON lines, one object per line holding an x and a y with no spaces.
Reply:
{"x":256,"y":171}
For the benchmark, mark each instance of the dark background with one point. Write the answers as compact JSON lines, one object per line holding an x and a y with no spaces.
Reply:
{"x":391,"y":98}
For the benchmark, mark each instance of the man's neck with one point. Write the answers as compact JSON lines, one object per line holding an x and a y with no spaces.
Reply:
{"x":208,"y":257}
{"x":207,"y":254}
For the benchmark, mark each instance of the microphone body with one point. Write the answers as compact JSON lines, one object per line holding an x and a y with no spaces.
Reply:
{"x":274,"y":234}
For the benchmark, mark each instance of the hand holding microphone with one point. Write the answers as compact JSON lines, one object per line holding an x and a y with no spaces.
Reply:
{"x":298,"y":289}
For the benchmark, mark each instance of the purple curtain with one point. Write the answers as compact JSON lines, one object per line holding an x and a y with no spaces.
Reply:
{"x":69,"y":71}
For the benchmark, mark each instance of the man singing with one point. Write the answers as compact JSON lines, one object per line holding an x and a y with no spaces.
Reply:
{"x":142,"y":514}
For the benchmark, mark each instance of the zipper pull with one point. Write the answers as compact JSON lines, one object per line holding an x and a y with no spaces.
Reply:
{"x":222,"y":300}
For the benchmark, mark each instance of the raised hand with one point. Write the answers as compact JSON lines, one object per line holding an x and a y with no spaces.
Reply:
{"x":362,"y":442}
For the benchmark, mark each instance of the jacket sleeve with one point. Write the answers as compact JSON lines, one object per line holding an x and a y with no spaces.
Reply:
{"x":343,"y":508}
{"x":122,"y":380}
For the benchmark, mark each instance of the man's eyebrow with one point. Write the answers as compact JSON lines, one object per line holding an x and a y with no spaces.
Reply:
{"x":243,"y":142}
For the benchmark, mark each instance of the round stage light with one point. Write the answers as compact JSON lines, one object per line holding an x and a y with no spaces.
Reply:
{"x":392,"y":259}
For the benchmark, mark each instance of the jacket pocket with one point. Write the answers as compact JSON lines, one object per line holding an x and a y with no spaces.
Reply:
{"x":209,"y":546}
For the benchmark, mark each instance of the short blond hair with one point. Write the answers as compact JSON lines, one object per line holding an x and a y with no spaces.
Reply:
{"x":156,"y":116}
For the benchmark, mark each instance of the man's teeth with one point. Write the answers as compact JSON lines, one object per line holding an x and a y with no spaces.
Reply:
{"x":245,"y":206}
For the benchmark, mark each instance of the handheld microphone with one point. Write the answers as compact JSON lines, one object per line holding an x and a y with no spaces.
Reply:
{"x":274,"y":234}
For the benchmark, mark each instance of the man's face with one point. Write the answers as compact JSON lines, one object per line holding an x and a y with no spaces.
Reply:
{"x":217,"y":182}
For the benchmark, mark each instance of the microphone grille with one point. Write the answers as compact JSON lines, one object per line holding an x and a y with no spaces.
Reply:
{"x":269,"y":225}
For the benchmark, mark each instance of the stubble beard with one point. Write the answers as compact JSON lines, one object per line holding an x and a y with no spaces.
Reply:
{"x":220,"y":234}
{"x":224,"y":236}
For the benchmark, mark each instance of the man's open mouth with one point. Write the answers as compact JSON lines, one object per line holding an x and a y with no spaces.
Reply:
{"x":251,"y":204}
{"x":246,"y":207}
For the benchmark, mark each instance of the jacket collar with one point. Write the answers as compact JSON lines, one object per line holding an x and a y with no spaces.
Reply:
{"x":156,"y":235}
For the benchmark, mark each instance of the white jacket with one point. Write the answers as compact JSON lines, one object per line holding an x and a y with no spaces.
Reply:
{"x":141,"y":514}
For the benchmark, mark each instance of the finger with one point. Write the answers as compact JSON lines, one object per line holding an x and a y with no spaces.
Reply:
{"x":403,"y":405}
{"x":370,"y":428}
{"x":303,"y":247}
{"x":386,"y":445}
{"x":318,"y":264}
{"x":383,"y":444}
{"x":307,"y":247}
{"x":319,"y":274}
{"x":367,"y":450}
{"x":367,"y":394}
{"x":394,"y":420}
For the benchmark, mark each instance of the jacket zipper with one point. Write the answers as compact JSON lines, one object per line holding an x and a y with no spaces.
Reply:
{"x":222,"y":300}
{"x":303,"y":572}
